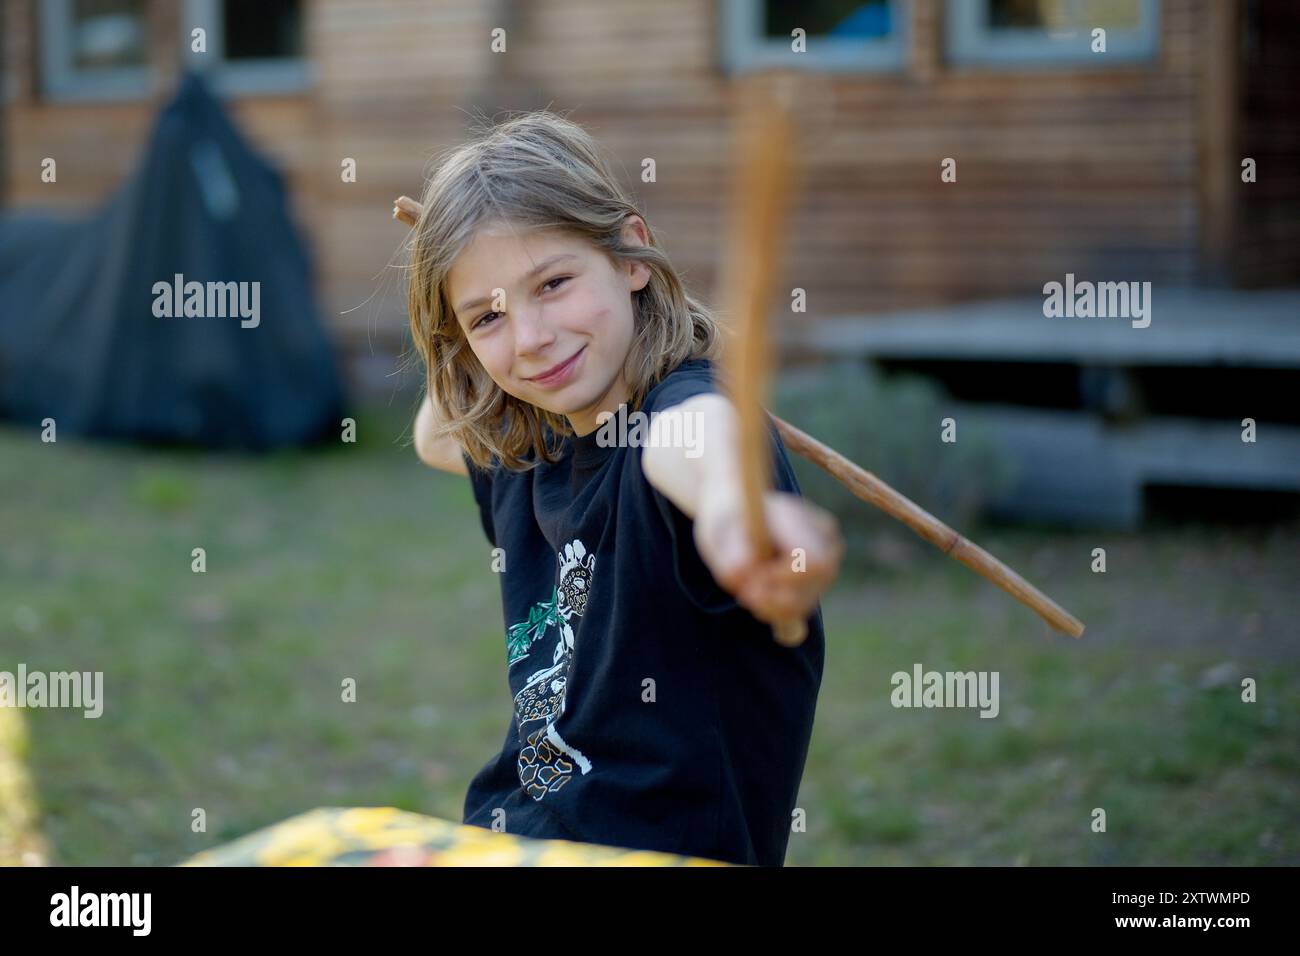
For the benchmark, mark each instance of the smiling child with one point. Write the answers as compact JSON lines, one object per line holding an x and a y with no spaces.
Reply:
{"x":652,"y":707}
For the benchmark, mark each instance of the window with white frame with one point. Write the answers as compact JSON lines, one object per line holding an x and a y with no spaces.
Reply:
{"x":1051,"y":32}
{"x":252,"y":46}
{"x":848,"y":35}
{"x":94,"y":49}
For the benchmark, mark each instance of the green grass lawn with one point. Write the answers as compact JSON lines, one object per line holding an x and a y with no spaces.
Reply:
{"x":223,"y":689}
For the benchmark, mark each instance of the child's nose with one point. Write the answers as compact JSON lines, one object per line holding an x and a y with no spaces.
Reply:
{"x":532,"y":332}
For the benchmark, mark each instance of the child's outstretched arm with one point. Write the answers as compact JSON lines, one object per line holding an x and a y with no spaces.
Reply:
{"x":707,"y":488}
{"x":441,"y":453}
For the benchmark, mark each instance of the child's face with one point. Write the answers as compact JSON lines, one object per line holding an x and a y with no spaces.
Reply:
{"x":574,"y":316}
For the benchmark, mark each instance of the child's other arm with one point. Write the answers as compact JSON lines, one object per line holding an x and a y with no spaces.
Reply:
{"x":703,"y":481}
{"x":441,"y":453}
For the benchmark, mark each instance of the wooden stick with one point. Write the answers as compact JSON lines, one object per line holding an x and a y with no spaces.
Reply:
{"x":763,"y":158}
{"x":872,"y":490}
{"x":407,"y":210}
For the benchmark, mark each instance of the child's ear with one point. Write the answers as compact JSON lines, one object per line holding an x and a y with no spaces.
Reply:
{"x":636,"y":233}
{"x":640,"y":276}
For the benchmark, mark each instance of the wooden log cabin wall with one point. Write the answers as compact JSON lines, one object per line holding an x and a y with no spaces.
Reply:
{"x":1122,"y":171}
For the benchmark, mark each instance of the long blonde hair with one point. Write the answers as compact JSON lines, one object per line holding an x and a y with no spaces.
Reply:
{"x":536,"y":170}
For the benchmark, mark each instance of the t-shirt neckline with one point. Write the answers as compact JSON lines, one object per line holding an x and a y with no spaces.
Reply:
{"x":587,"y":449}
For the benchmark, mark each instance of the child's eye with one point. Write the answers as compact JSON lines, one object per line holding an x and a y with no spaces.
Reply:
{"x":487,"y":317}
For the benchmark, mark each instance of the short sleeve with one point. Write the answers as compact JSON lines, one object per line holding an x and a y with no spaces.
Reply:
{"x":481,"y":482}
{"x":692,"y":574}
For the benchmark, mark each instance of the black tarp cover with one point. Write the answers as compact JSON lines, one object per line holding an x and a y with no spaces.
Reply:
{"x":79,"y":340}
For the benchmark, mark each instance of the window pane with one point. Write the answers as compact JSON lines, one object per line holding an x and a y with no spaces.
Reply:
{"x":848,"y":19}
{"x":263,"y":29}
{"x":108,"y":33}
{"x":1052,"y":15}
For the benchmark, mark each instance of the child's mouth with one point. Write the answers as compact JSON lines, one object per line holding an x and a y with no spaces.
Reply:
{"x":561,"y":374}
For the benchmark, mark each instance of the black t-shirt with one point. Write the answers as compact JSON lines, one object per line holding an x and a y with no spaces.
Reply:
{"x":650,"y":710}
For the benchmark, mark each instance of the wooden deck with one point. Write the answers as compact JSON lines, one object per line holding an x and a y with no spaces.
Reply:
{"x":1188,"y":328}
{"x":1087,"y":460}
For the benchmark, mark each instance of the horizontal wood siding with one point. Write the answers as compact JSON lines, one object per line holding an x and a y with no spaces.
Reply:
{"x":1089,"y":171}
